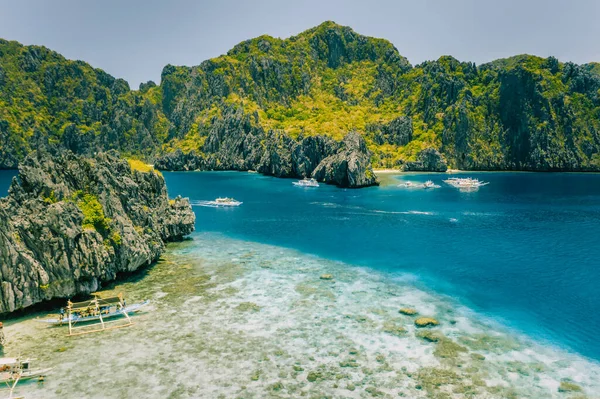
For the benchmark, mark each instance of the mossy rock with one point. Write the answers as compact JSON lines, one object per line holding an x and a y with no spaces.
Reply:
{"x":326,"y":277}
{"x":431,"y":378}
{"x":448,"y":349}
{"x":314,"y":376}
{"x":255,"y":375}
{"x":408,"y":311}
{"x":374,"y":392}
{"x":349,"y":363}
{"x":278,"y":386}
{"x":567,"y":386}
{"x":248,"y":307}
{"x":426,"y":322}
{"x":429,"y":336}
{"x":394,"y":329}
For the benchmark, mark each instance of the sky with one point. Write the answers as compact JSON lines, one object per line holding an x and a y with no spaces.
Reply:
{"x":135,"y":39}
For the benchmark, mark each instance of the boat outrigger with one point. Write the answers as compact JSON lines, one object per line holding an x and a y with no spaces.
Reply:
{"x":306,"y":182}
{"x":96,"y":309}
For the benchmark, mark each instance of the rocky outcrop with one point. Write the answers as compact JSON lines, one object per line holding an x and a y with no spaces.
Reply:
{"x":237,"y":142}
{"x":350,"y":166}
{"x":180,"y":161}
{"x":70,"y":223}
{"x":428,"y":160}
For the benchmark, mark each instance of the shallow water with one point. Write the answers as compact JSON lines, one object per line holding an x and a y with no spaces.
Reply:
{"x":240,"y":310}
{"x":237,"y":319}
{"x":522,"y":249}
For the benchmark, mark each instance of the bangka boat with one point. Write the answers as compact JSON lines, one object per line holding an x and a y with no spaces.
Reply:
{"x":96,"y":309}
{"x":13,"y":370}
{"x":224,"y":202}
{"x":306,"y":182}
{"x":465,"y":183}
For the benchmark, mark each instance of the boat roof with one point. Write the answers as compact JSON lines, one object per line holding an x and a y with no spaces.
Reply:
{"x":92,"y":302}
{"x":8,"y":360}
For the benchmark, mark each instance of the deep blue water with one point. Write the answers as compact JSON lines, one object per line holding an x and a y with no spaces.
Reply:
{"x":523,"y":249}
{"x":5,"y":179}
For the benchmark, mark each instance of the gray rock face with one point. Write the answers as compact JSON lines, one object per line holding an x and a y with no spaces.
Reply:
{"x":428,"y":160}
{"x":70,"y":223}
{"x":350,"y":166}
{"x":398,"y":131}
{"x":236,"y":142}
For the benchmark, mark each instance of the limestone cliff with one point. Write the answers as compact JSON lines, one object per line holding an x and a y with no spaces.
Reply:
{"x":236,"y":142}
{"x":70,"y":223}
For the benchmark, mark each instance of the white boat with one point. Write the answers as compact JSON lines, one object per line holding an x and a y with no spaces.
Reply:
{"x":465,"y":183}
{"x":430,"y":184}
{"x":225,"y":201}
{"x":427,"y":184}
{"x":13,"y":370}
{"x":306,"y":182}
{"x":408,"y":184}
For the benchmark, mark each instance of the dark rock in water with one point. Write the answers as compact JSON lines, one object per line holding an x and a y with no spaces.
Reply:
{"x":309,"y":152}
{"x":428,"y":160}
{"x":350,"y":166}
{"x":236,"y":142}
{"x":69,"y":223}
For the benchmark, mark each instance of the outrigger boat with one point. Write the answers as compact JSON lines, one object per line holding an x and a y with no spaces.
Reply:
{"x":96,"y":309}
{"x":15,"y":370}
{"x":306,"y":182}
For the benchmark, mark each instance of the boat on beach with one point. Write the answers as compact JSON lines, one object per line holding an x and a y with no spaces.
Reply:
{"x":92,"y":315}
{"x":306,"y":182}
{"x":465,"y":183}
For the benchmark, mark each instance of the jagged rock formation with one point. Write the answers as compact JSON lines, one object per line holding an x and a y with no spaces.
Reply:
{"x":236,"y":142}
{"x":350,"y":166}
{"x":428,"y":160}
{"x":518,"y":113}
{"x":69,"y":223}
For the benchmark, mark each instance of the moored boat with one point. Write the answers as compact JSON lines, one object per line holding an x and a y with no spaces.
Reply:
{"x":306,"y":182}
{"x":465,"y":183}
{"x":13,"y":370}
{"x":430,"y":184}
{"x":84,"y":315}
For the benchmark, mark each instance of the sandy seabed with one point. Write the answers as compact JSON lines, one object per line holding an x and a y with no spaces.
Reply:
{"x":237,"y":319}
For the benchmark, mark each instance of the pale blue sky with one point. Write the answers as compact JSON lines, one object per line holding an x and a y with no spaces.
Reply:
{"x":135,"y":39}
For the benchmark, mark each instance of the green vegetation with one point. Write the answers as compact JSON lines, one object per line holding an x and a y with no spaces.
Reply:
{"x":523,"y":112}
{"x":93,"y":214}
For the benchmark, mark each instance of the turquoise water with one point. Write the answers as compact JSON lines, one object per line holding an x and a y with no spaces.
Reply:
{"x":243,"y":307}
{"x":522,"y":249}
